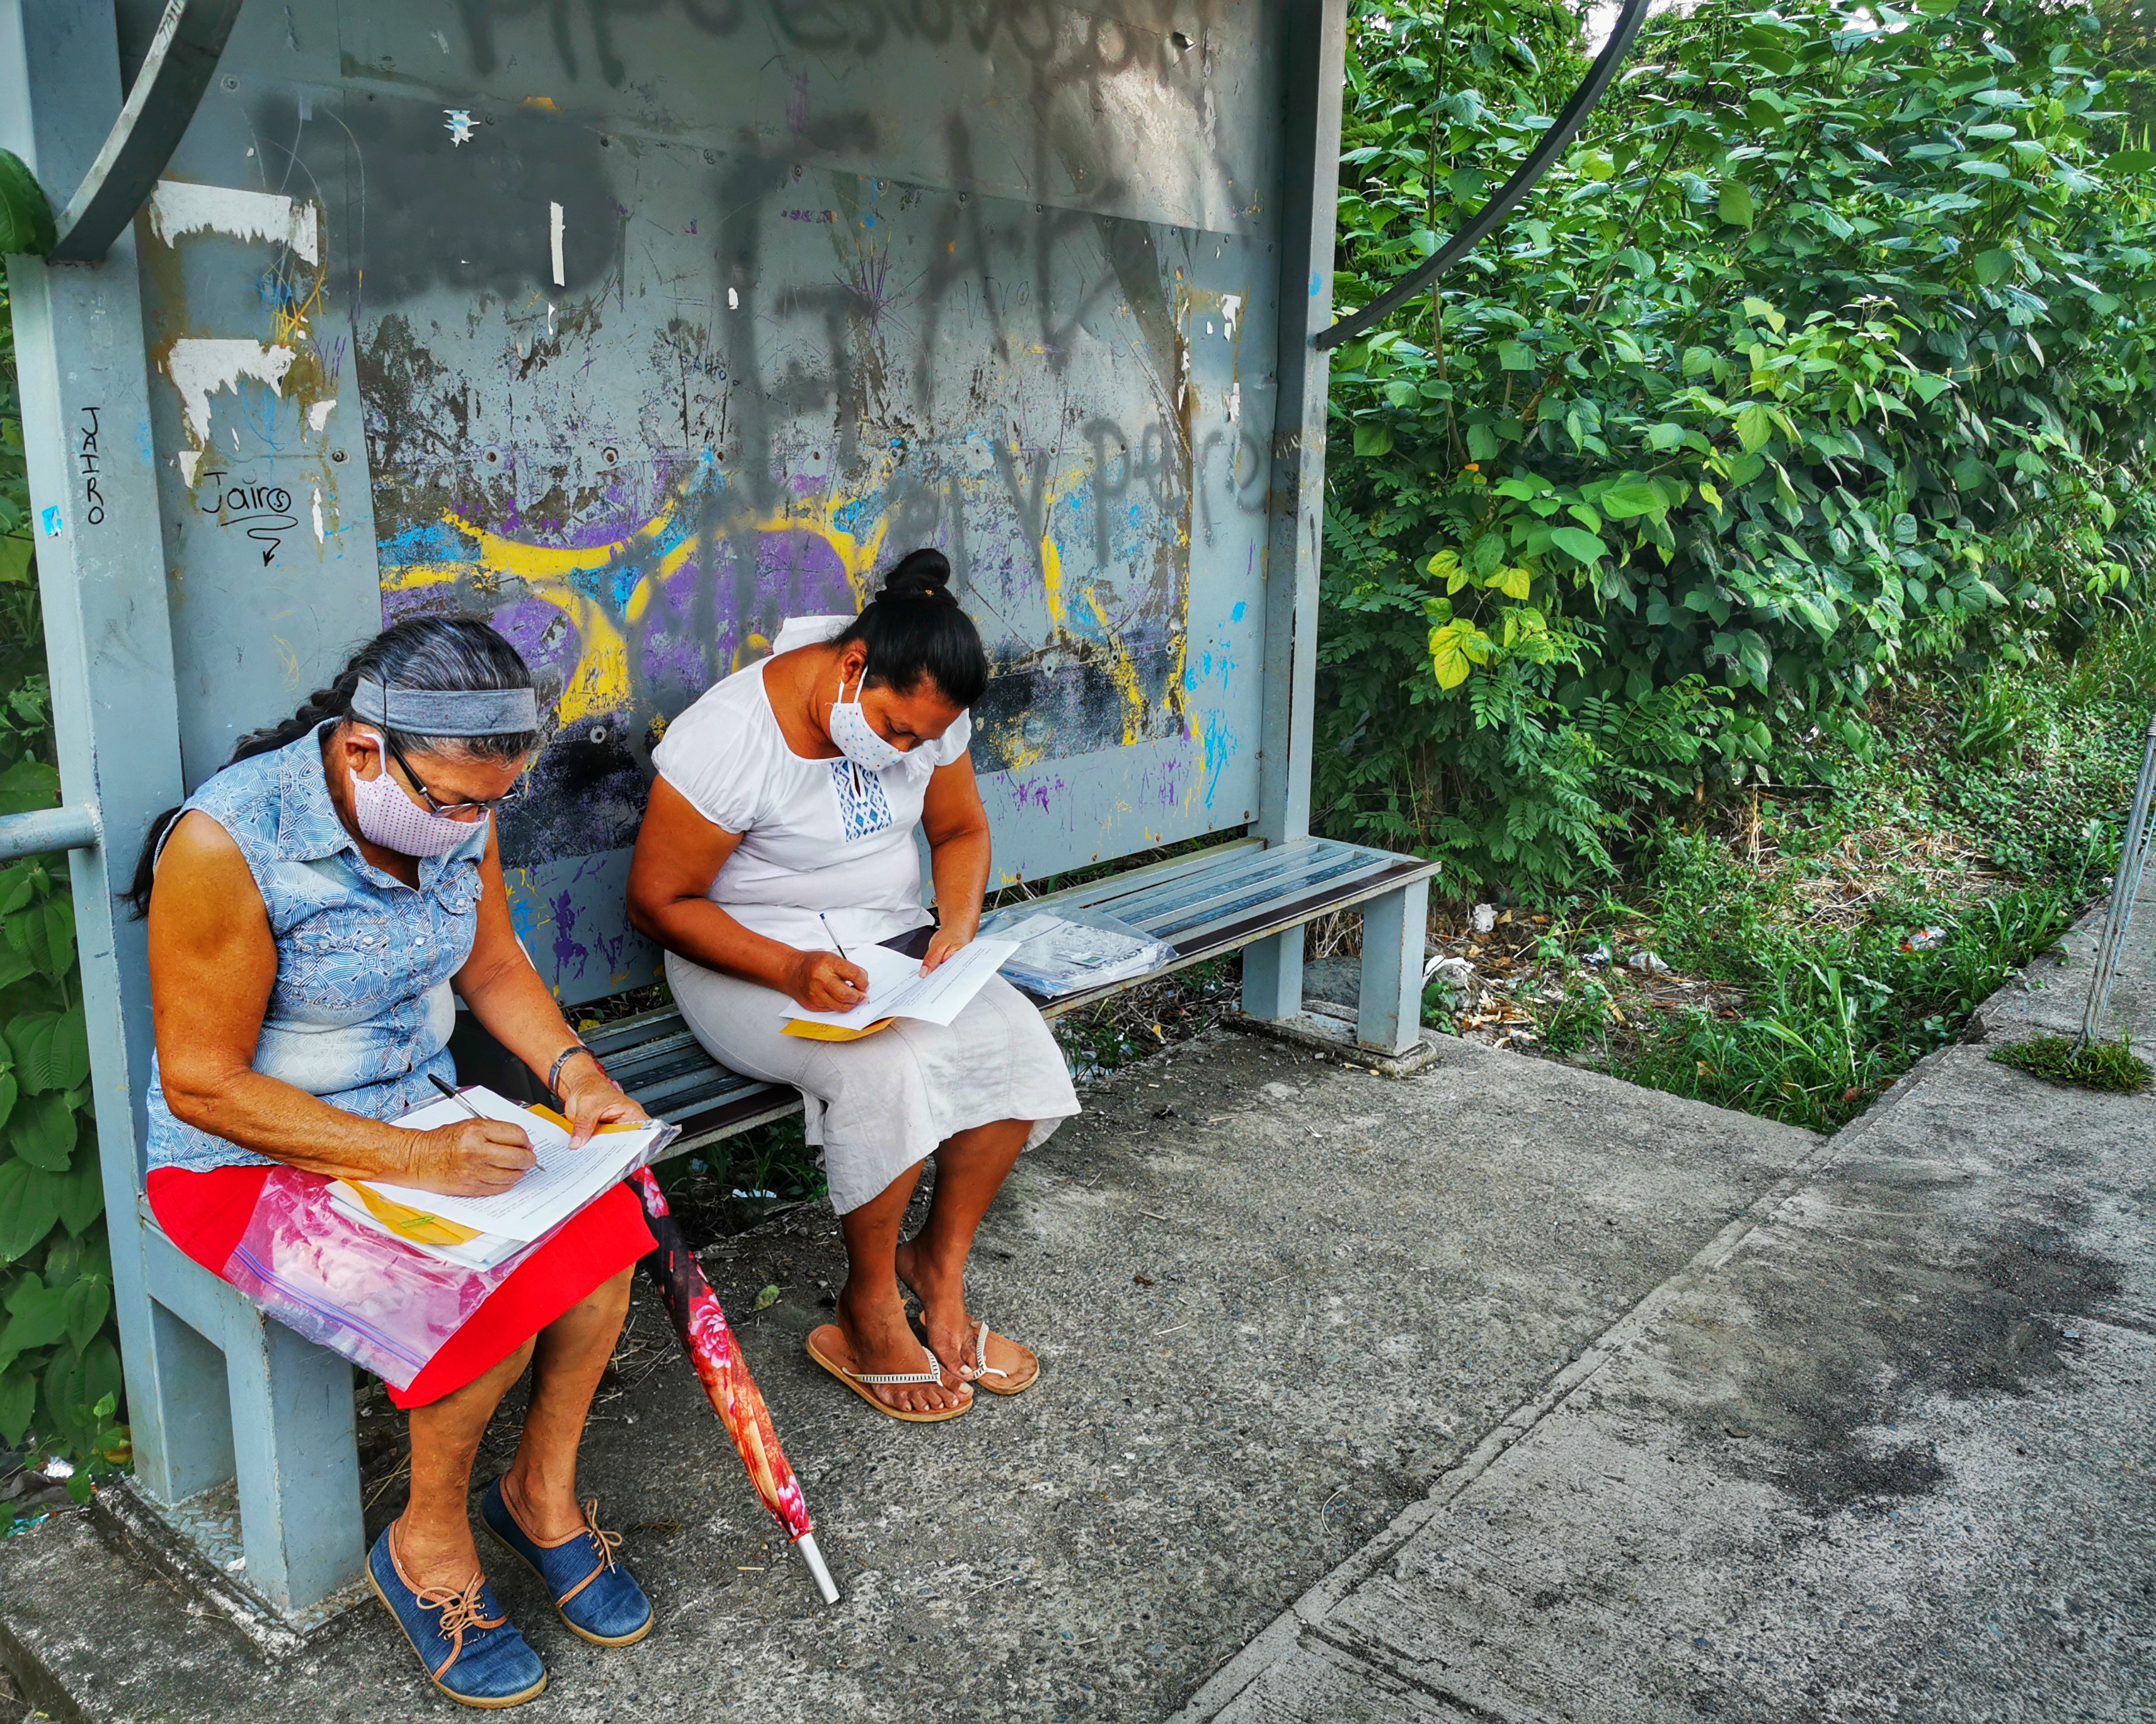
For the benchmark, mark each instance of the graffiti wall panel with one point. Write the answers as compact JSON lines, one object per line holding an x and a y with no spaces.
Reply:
{"x":637,"y":399}
{"x":1148,"y":109}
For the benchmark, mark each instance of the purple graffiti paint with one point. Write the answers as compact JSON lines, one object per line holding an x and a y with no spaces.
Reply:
{"x":569,"y":953}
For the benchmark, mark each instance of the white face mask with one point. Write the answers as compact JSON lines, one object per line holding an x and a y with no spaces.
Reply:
{"x":856,"y":737}
{"x":389,"y":816}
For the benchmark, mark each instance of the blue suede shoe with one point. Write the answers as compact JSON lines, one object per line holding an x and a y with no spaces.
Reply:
{"x":598,"y":1598}
{"x":464,"y":1643}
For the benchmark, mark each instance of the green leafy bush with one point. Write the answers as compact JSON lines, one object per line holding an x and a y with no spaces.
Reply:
{"x":59,"y":1367}
{"x":1826,"y":350}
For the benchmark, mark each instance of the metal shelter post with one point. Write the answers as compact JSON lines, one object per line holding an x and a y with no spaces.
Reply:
{"x":84,"y":381}
{"x":1313,"y":55}
{"x":100,"y":562}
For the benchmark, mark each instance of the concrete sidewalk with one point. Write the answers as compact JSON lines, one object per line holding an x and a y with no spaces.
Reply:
{"x":1275,"y":1298}
{"x":1888,"y":1454}
{"x":1545,"y":1397}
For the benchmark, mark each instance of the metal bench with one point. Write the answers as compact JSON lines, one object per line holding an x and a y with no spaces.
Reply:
{"x":1217,"y":900}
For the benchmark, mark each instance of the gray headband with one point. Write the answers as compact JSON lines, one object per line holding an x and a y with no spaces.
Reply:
{"x":447,"y":712}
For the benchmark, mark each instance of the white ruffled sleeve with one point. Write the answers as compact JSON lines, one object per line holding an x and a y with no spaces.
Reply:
{"x":952,"y":743}
{"x":719,"y":758}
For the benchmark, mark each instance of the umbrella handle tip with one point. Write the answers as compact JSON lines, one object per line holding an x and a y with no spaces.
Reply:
{"x":806,"y":1544}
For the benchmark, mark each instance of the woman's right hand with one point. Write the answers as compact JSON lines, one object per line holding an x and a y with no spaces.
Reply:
{"x":824,"y":982}
{"x":473,"y":1159}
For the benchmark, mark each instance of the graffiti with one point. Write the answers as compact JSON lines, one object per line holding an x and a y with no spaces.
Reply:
{"x":1027,"y":388}
{"x":264,"y":511}
{"x":639,"y":381}
{"x":87,"y":458}
{"x":1035,"y":32}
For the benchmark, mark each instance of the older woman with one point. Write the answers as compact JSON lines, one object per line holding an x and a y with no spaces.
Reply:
{"x":780,"y":831}
{"x":311,"y":908}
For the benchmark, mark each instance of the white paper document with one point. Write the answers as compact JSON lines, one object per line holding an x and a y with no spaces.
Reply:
{"x":898,"y":989}
{"x":564,"y":1181}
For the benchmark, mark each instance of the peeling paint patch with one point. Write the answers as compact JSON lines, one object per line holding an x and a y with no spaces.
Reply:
{"x":199,"y":368}
{"x":458,"y":125}
{"x":318,"y":516}
{"x":1231,"y":308}
{"x":554,"y":240}
{"x":318,"y":415}
{"x":178,"y":208}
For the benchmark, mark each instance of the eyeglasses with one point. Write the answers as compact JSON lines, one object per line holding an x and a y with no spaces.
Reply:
{"x":454,"y":808}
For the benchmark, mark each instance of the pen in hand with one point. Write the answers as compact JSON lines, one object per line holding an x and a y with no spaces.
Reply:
{"x":464,"y":1102}
{"x":832,"y":934}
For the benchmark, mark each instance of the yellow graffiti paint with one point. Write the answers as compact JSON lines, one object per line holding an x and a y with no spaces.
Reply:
{"x":1051,"y":575}
{"x":1122,"y":673}
{"x":601,"y":681}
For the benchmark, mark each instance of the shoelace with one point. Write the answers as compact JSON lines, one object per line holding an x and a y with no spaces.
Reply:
{"x":607,"y":1542}
{"x":461,"y":1610}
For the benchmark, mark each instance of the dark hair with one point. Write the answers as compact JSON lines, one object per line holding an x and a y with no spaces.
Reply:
{"x":448,"y":654}
{"x":913,"y":628}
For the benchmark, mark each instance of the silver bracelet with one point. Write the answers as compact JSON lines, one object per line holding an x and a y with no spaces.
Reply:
{"x":562,"y":1058}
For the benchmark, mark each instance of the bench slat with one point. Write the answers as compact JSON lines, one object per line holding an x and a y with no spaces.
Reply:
{"x":1273,"y":919}
{"x":1205,"y":904}
{"x":1338,"y":873}
{"x":1281,"y":869}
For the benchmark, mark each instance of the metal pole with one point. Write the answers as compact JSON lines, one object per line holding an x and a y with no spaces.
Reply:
{"x":86,"y":426}
{"x":1313,"y":49}
{"x":65,"y":828}
{"x":2125,"y":888}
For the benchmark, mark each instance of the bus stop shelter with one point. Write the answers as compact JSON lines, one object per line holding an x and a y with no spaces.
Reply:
{"x":636,"y":329}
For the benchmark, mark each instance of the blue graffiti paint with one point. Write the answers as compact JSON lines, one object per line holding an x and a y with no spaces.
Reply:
{"x":1237,"y":614}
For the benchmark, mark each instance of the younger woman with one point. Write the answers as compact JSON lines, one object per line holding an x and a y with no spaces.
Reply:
{"x":780,"y":832}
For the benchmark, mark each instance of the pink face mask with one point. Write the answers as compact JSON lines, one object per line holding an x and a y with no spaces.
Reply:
{"x":389,"y":816}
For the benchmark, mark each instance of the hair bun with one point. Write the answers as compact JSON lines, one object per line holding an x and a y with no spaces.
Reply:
{"x":919,"y":574}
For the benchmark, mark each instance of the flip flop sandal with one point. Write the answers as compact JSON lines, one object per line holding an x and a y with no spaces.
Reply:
{"x":864,"y":1383}
{"x":982,"y":1373}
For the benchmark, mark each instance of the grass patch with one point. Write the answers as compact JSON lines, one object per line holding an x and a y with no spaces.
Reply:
{"x":1791,"y":949}
{"x":2111,"y":1066}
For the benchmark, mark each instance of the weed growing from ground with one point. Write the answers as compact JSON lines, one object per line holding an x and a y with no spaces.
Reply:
{"x":2110,"y":1066}
{"x":1793,"y":952}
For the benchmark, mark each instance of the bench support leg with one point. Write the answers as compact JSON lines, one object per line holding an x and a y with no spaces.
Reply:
{"x":1272,"y":976}
{"x":1388,"y":1015}
{"x":298,"y":1462}
{"x":193,"y":1415}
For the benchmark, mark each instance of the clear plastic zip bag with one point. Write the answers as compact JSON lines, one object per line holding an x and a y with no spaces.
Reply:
{"x":1067,"y":950}
{"x":387,"y":1306}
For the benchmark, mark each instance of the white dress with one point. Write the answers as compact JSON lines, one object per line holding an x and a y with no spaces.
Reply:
{"x":826,"y":843}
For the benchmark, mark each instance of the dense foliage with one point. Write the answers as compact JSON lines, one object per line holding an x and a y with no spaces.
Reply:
{"x":1825,"y":352}
{"x":59,"y":1368}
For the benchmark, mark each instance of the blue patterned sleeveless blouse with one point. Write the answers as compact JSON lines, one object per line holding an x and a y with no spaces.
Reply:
{"x":361,"y":1010}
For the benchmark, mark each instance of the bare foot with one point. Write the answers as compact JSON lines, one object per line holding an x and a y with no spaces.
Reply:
{"x":949,"y":1327}
{"x":879,"y":1341}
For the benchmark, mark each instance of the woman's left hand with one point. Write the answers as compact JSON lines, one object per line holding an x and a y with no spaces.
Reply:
{"x":591,"y":1098}
{"x":950,"y":940}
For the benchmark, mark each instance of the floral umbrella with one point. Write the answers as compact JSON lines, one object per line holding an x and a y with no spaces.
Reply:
{"x":732,"y":1392}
